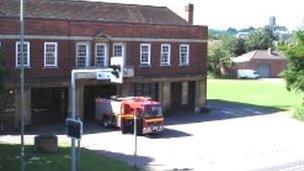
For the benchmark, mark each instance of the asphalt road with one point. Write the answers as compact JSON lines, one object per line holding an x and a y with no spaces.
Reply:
{"x":232,"y":137}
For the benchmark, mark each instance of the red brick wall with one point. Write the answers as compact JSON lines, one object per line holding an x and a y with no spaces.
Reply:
{"x":276,"y":66}
{"x":90,"y":28}
{"x":66,"y":48}
{"x":66,"y":54}
{"x":197,"y":60}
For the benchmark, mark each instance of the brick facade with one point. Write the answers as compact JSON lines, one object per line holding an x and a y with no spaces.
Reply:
{"x":67,"y":48}
{"x":69,"y":32}
{"x":276,"y":66}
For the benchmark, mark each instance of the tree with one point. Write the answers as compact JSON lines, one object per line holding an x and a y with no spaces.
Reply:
{"x":234,"y":45}
{"x":231,"y":31}
{"x":261,"y":39}
{"x":218,"y":58}
{"x":294,"y":74}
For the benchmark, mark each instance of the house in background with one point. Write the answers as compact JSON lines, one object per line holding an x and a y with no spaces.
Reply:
{"x":269,"y":63}
{"x":165,"y":56}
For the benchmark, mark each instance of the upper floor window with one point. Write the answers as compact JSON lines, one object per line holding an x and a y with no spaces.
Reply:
{"x":118,"y":49}
{"x":184,"y":55}
{"x":26,"y":54}
{"x":101,"y":55}
{"x":145,"y":54}
{"x":165,"y":54}
{"x":82,"y":55}
{"x":50,"y":54}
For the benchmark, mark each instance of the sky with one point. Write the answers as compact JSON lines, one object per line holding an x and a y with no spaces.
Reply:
{"x":222,"y":14}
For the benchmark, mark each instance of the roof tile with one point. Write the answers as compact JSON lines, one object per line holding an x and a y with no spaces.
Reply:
{"x":92,"y":11}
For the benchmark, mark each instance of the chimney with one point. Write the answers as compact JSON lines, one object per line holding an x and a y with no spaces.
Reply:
{"x":189,"y":9}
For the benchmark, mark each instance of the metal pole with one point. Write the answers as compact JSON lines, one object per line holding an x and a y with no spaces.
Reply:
{"x":78,"y":153}
{"x":22,"y":83}
{"x":135,"y":141}
{"x":73,"y":150}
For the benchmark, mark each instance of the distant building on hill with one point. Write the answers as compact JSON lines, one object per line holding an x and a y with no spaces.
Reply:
{"x":281,"y":32}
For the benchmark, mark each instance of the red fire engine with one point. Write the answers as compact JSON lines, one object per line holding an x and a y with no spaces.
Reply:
{"x":120,"y":112}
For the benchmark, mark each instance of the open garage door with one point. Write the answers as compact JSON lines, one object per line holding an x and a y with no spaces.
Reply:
{"x":264,"y":71}
{"x":49,"y":105}
{"x":176,"y":96}
{"x":93,"y":92}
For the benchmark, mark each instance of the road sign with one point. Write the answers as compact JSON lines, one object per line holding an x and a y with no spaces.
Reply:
{"x":74,"y":128}
{"x":101,"y":75}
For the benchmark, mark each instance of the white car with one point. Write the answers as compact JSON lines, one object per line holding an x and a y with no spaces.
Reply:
{"x":247,"y":73}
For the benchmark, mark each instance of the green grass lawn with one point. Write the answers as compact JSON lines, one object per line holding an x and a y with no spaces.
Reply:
{"x":9,"y":160}
{"x":255,"y":92}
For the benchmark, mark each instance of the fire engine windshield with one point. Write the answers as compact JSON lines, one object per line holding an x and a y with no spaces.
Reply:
{"x":153,"y":111}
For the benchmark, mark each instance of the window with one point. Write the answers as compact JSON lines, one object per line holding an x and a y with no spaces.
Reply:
{"x":165,"y":54}
{"x":82,"y":55}
{"x":26,"y":53}
{"x":118,"y":50}
{"x":50,"y":54}
{"x":184,"y":55}
{"x":147,"y":89}
{"x":145,"y":54}
{"x":100,"y":55}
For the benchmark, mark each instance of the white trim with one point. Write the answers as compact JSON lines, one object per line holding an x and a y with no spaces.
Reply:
{"x":118,"y":39}
{"x":28,"y":54}
{"x":122,"y":49}
{"x":149,"y":54}
{"x":87,"y":53}
{"x":106,"y":53}
{"x":47,"y":37}
{"x":180,"y":55}
{"x":169,"y":40}
{"x":55,"y":55}
{"x":169,"y":55}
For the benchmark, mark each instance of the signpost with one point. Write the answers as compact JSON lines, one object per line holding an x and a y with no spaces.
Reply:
{"x":135,"y":140}
{"x":114,"y":74}
{"x":74,"y":128}
{"x":21,"y":107}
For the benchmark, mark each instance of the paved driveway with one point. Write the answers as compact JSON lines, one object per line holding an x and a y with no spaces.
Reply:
{"x":231,"y":137}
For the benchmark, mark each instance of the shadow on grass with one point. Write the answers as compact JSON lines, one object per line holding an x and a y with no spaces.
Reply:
{"x":58,"y":129}
{"x":220,"y":110}
{"x":140,"y":161}
{"x":34,"y":161}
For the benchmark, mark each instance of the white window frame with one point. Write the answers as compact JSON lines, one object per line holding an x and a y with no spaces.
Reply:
{"x":87,"y":53}
{"x":106,"y":53}
{"x":149,"y":54}
{"x":181,"y":63}
{"x":55,"y":54}
{"x":27,"y":57}
{"x":168,"y":63}
{"x":122,"y":49}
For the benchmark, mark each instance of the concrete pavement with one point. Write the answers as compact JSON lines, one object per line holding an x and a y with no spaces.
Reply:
{"x":232,"y":137}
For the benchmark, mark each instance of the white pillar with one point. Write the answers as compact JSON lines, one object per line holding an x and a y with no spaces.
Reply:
{"x":80,"y":101}
{"x":200,"y":95}
{"x":185,"y":93}
{"x":166,"y":95}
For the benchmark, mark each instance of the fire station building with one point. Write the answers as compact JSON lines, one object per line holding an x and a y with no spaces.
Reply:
{"x":164,"y":57}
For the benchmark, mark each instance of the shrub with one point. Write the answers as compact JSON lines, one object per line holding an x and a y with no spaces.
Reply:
{"x":299,"y":112}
